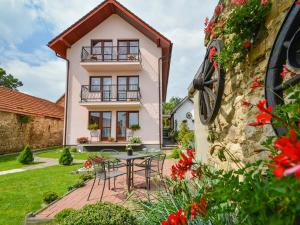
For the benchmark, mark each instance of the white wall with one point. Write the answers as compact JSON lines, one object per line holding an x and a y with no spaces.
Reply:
{"x":115,"y":28}
{"x":180,"y":114}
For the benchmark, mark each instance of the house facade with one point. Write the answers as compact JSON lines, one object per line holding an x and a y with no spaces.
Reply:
{"x":117,"y":76}
{"x":183,"y":112}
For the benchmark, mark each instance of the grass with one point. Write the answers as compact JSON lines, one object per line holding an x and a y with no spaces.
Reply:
{"x":10,"y":162}
{"x":22,"y":192}
{"x":55,"y":154}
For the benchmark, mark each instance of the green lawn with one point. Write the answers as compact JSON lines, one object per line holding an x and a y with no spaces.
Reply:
{"x":10,"y":162}
{"x":57,"y":152}
{"x":22,"y":192}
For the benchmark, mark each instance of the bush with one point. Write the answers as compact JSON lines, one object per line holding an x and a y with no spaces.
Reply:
{"x":26,"y":156}
{"x":50,"y":197}
{"x":78,"y":184}
{"x":85,"y":177}
{"x":188,"y":140}
{"x":183,"y":130}
{"x":175,"y":153}
{"x":82,"y":140}
{"x":66,"y":158}
{"x":102,"y":213}
{"x":60,"y":217}
{"x":73,"y":150}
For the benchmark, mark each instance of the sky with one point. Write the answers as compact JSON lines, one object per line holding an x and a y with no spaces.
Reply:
{"x":26,"y":26}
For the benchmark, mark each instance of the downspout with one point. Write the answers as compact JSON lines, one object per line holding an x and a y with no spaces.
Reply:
{"x":160,"y":98}
{"x":66,"y":100}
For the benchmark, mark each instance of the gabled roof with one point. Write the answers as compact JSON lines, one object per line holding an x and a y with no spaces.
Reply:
{"x":181,"y":104}
{"x":67,"y":38}
{"x":20,"y":103}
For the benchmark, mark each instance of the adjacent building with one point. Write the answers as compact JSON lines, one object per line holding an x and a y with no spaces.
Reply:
{"x":117,"y":75}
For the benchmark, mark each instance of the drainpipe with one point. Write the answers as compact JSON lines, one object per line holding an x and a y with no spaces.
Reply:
{"x":160,"y":98}
{"x":66,"y":100}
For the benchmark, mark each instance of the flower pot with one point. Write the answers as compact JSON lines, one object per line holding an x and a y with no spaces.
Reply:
{"x":130,"y":152}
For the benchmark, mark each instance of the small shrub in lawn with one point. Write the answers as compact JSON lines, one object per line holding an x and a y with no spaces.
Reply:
{"x":102,"y":213}
{"x":73,"y":150}
{"x":26,"y":156}
{"x":86,"y":176}
{"x":78,"y":184}
{"x":62,"y":215}
{"x":50,"y":197}
{"x":66,"y":158}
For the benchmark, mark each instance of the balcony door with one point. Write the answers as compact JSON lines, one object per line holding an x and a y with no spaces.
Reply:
{"x":102,"y":50}
{"x":121,"y":126}
{"x":103,"y":87}
{"x":128,"y":88}
{"x":103,"y":120}
{"x":128,"y":50}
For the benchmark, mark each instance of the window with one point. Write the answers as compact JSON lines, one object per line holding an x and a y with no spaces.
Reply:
{"x":128,"y":49}
{"x":103,"y":120}
{"x":102,"y":84}
{"x":103,"y":48}
{"x":125,"y":120}
{"x":133,"y":118}
{"x":128,"y":88}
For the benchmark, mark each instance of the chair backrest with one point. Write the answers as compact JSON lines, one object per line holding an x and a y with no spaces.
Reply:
{"x":99,"y":166}
{"x":158,"y":162}
{"x":110,"y":150}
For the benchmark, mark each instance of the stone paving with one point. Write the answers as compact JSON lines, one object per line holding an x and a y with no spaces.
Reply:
{"x":43,"y":163}
{"x":78,"y":198}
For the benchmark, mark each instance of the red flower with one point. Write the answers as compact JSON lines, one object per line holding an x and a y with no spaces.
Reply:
{"x":221,"y":24}
{"x":199,"y":208}
{"x":264,"y":2}
{"x":238,"y":2}
{"x":88,"y":164}
{"x":288,"y":161}
{"x":256,"y":83}
{"x":246,"y":103}
{"x":284,"y":72}
{"x":264,"y":116}
{"x":297,"y":3}
{"x":183,"y":166}
{"x":209,"y":27}
{"x":178,"y":218}
{"x":212,"y":53}
{"x":246,"y":44}
{"x":215,"y":64}
{"x":219,"y":9}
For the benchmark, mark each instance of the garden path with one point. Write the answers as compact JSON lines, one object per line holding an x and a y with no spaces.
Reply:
{"x":43,"y":163}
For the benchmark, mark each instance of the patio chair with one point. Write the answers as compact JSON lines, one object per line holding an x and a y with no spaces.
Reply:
{"x":102,"y":173}
{"x":153,"y":166}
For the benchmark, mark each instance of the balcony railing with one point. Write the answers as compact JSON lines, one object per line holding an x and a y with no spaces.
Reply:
{"x":111,"y":54}
{"x":110,"y":93}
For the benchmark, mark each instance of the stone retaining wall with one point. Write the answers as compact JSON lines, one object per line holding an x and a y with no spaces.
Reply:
{"x":38,"y":132}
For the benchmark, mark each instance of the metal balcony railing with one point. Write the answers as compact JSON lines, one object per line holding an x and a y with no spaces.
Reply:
{"x":110,"y":93}
{"x":111,"y":54}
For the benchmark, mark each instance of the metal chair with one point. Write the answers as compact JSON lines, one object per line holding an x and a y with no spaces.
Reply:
{"x":102,"y":172}
{"x":115,"y":164}
{"x":152,"y":165}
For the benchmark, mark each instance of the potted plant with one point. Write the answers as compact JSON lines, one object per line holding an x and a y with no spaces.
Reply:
{"x":94,"y":130}
{"x":135,"y":140}
{"x":129,"y":149}
{"x":111,"y":139}
{"x":134,"y":127}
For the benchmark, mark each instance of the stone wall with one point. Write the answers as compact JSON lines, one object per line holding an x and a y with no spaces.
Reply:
{"x":230,"y":127}
{"x":38,"y":132}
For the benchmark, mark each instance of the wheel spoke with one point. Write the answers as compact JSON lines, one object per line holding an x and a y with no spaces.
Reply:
{"x":210,"y":81}
{"x":290,"y":83}
{"x":211,"y":94}
{"x":206,"y":98}
{"x":202,"y":105}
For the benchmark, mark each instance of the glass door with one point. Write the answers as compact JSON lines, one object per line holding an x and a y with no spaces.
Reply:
{"x":121,"y":126}
{"x":122,"y":88}
{"x":106,"y":90}
{"x":106,"y":125}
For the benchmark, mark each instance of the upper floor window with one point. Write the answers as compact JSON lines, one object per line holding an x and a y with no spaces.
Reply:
{"x":128,"y":49}
{"x":102,"y":49}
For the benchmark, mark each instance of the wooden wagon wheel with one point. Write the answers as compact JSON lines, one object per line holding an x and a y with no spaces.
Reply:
{"x":285,"y":51}
{"x":210,"y":84}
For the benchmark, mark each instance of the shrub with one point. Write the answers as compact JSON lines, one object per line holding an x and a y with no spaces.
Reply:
{"x":82,"y":140}
{"x":26,"y":156}
{"x":78,"y":184}
{"x":135,"y":127}
{"x":175,"y":153}
{"x":188,"y":140}
{"x":49,"y":197}
{"x":183,"y":130}
{"x":73,"y":150}
{"x":85,"y":177}
{"x":60,"y":217}
{"x":135,"y":140}
{"x":102,"y":213}
{"x":66,"y":158}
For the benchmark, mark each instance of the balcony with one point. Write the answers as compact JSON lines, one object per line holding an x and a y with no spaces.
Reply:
{"x":111,"y":58}
{"x":112,"y":96}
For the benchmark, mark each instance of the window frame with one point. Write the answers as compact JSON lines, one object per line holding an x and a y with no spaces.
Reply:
{"x":127,"y":46}
{"x":100,"y":122}
{"x":127,"y":85}
{"x":102,"y":41}
{"x":101,"y":83}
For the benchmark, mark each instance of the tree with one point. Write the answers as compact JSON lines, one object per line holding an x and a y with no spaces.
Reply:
{"x":9,"y":81}
{"x":169,"y":106}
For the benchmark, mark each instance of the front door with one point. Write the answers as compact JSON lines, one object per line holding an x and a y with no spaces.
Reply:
{"x":121,"y":126}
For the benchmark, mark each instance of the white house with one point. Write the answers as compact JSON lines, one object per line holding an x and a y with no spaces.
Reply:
{"x":184,"y":111}
{"x":117,"y":75}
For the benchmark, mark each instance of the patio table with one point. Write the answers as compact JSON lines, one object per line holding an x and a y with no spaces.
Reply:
{"x":129,"y":166}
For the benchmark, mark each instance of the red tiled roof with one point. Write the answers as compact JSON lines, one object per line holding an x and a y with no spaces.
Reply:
{"x":18,"y":102}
